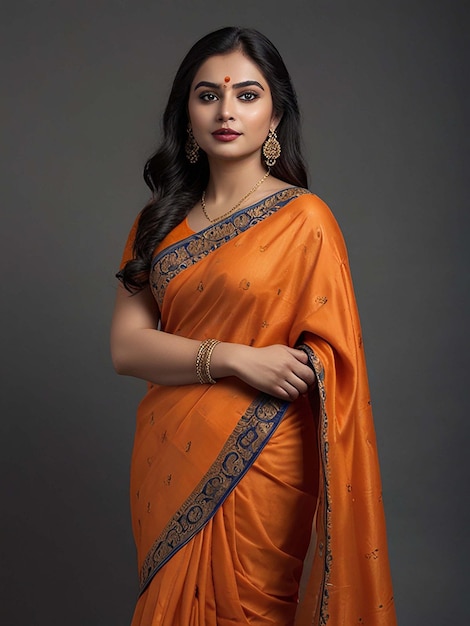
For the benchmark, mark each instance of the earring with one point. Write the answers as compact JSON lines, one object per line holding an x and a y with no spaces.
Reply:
{"x":271,"y":148}
{"x":191,"y":148}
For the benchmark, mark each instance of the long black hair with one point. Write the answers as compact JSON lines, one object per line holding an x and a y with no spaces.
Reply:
{"x":177,"y":184}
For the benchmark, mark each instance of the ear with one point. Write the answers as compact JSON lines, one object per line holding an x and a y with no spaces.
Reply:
{"x":275,"y":121}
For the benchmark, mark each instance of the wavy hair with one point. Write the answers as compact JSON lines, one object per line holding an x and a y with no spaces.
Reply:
{"x":177,"y":184}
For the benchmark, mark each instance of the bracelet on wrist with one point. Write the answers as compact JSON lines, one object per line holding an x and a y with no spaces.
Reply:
{"x":203,"y":361}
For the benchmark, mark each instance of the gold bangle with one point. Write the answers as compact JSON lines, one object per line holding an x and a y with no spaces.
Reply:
{"x":203,"y":358}
{"x":207,"y":360}
{"x":199,"y":361}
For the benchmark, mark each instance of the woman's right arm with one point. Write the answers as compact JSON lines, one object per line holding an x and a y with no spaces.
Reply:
{"x":139,"y":350}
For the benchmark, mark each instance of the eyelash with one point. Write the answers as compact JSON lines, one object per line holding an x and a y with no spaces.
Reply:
{"x":211,"y":97}
{"x":252,"y":94}
{"x":207,"y":97}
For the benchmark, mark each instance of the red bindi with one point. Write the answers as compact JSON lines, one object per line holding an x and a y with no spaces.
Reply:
{"x":227,"y":79}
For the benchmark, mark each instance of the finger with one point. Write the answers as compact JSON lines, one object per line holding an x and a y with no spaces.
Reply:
{"x":300,"y":355}
{"x":300,"y":385}
{"x":305,"y":373}
{"x":291,"y":388}
{"x":281,"y":393}
{"x":310,"y":377}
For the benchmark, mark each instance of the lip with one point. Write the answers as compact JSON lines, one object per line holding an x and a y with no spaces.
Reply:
{"x":225,"y":134}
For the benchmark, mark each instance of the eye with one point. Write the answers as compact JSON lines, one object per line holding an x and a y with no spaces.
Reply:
{"x":248,"y":96}
{"x":208,"y":96}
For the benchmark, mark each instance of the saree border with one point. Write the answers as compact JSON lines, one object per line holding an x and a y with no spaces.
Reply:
{"x":168,"y":263}
{"x":242,"y":448}
{"x":317,"y":366}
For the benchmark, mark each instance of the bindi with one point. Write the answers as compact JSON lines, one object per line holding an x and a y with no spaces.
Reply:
{"x":226,"y":80}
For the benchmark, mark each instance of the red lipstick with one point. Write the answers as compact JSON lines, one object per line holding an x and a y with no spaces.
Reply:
{"x":225,"y":134}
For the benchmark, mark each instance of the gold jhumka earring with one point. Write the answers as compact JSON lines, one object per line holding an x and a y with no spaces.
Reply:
{"x":271,"y":148}
{"x":191,"y":148}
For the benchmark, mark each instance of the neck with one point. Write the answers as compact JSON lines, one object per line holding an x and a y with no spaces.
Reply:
{"x":230,"y":180}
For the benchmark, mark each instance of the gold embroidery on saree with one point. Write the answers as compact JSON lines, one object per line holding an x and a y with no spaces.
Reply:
{"x":170,"y":262}
{"x":324,"y":539}
{"x":238,"y":454}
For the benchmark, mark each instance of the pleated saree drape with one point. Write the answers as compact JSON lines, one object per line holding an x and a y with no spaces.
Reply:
{"x":227,"y":482}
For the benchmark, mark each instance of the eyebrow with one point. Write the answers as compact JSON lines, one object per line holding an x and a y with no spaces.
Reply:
{"x":245,"y":83}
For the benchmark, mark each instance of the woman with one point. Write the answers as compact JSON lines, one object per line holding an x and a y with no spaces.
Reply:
{"x":235,"y":274}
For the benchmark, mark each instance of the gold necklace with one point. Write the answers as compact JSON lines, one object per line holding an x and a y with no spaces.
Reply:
{"x":234,"y":208}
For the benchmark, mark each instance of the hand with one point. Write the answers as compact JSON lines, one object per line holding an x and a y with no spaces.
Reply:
{"x":277,"y":370}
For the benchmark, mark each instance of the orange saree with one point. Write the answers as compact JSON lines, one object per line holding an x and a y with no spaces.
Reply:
{"x":228,"y":483}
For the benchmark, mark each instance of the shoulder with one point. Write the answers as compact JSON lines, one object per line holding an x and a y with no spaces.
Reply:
{"x":312,"y":207}
{"x":309,"y":207}
{"x":313,"y":218}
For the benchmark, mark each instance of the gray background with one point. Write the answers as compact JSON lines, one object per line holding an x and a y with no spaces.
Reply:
{"x":382,"y":90}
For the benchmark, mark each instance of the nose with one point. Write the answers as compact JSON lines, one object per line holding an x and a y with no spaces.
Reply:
{"x":224,"y":114}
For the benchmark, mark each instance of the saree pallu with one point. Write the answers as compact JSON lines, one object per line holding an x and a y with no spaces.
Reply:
{"x":229,"y":486}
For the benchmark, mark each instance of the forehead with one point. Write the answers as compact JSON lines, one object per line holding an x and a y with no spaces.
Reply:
{"x":234,"y":64}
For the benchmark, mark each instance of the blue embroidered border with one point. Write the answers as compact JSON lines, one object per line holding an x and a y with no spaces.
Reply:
{"x":172,"y":260}
{"x":318,"y":368}
{"x":241,"y":449}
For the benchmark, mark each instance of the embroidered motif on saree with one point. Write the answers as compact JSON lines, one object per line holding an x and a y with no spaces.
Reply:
{"x":276,"y":272}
